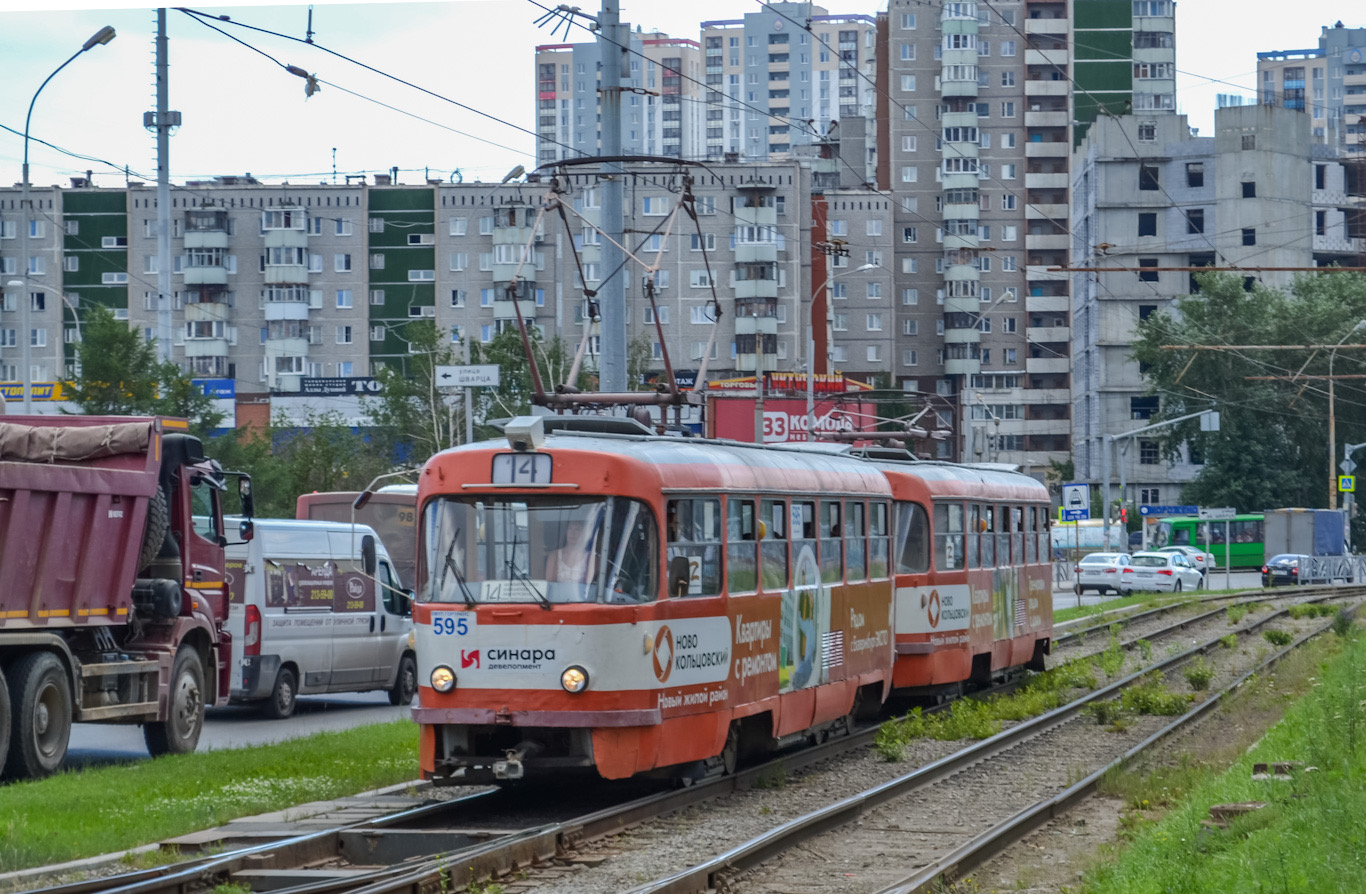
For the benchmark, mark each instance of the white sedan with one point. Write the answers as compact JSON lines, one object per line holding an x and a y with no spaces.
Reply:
{"x":1198,"y":558}
{"x":1105,"y":571}
{"x":1165,"y":572}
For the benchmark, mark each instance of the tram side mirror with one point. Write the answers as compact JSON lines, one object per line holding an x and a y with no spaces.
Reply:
{"x":246,"y":530}
{"x":367,"y":555}
{"x":680,"y":573}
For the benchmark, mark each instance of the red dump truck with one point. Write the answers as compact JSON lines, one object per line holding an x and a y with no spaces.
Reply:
{"x":112,"y":592}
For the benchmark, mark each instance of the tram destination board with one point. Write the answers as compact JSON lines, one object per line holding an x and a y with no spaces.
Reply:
{"x":522,"y":469}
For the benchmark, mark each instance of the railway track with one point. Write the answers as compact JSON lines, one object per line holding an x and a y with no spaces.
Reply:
{"x":452,"y":844}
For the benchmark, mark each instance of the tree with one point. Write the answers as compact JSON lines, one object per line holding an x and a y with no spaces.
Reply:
{"x":119,"y":375}
{"x":1271,"y":449}
{"x":512,"y":397}
{"x":286,"y":460}
{"x":413,"y":417}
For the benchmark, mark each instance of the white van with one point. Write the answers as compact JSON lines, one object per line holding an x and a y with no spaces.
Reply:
{"x":305,"y":619}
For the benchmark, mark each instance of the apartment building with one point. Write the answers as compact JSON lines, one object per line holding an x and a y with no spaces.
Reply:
{"x":661,"y":107}
{"x":1327,"y":83}
{"x":1149,"y":194}
{"x":307,"y":289}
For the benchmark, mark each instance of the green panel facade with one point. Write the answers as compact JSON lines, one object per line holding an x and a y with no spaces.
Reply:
{"x":402,"y":265}
{"x":95,"y":245}
{"x":1102,"y":14}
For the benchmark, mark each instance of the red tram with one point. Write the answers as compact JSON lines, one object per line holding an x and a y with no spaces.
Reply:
{"x":629,"y":603}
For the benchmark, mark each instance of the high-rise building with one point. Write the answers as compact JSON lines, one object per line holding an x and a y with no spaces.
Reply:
{"x":661,"y":107}
{"x":1327,"y":83}
{"x":1150,"y":195}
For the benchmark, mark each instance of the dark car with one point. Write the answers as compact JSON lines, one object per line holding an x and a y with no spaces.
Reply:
{"x":1282,"y":570}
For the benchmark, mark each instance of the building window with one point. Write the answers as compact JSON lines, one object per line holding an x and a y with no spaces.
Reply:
{"x":344,"y":298}
{"x":1249,"y":235}
{"x":377,"y":333}
{"x":377,"y":260}
{"x":1148,"y":177}
{"x":421,"y":276}
{"x":1147,"y":133}
{"x":342,"y":263}
{"x":343,"y":335}
{"x":1195,"y":174}
{"x":1249,"y":141}
{"x":1147,"y":275}
{"x":1148,"y":454}
{"x":1195,"y":220}
{"x":1146,"y":310}
{"x":1147,"y":223}
{"x":1249,"y":189}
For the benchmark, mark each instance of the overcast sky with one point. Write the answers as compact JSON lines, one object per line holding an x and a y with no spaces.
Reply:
{"x":244,"y":113}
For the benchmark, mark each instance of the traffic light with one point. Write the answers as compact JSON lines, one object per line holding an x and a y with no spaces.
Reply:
{"x":1124,"y":515}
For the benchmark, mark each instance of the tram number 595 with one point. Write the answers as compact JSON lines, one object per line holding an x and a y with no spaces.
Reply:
{"x":522,"y":468}
{"x":451,"y":623}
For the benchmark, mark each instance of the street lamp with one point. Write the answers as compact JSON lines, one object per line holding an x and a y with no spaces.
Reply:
{"x":99,"y":38}
{"x":830,"y":277}
{"x":1332,"y":430}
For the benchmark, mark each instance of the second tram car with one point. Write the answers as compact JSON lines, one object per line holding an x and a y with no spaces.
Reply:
{"x":632,"y":604}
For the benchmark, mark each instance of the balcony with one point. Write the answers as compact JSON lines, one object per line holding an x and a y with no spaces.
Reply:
{"x":285,"y":238}
{"x":967,"y":367}
{"x":286,"y":310}
{"x":1047,"y":396}
{"x":1060,"y":149}
{"x":1047,"y":334}
{"x":748,"y":325}
{"x":1047,"y":181}
{"x":1049,"y":87}
{"x":206,"y":347}
{"x":1046,"y":26}
{"x":1047,"y":303}
{"x":757,"y":288}
{"x":1046,"y":119}
{"x":971,"y":305}
{"x":213,"y":276}
{"x":206,"y":239}
{"x":1048,"y":427}
{"x":1354,"y":80}
{"x":1041,"y":211}
{"x":1042,"y":273}
{"x":952,"y":241}
{"x":1055,"y":58}
{"x":962,"y":337}
{"x":1058,"y":241}
{"x":756,"y":252}
{"x":1048,"y":364}
{"x":959,"y":88}
{"x":278,"y":273}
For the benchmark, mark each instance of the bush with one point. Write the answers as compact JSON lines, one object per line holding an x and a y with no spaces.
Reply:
{"x":1145,"y":649}
{"x":1343,"y":623}
{"x":1111,"y":661}
{"x":1236,"y":613}
{"x":1310,"y":610}
{"x":1228,"y":641}
{"x":1149,"y":696}
{"x":1106,"y":712}
{"x":1198,"y":674}
{"x":1279,"y":637}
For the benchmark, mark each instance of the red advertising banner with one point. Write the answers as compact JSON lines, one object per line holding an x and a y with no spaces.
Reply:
{"x":785,"y":418}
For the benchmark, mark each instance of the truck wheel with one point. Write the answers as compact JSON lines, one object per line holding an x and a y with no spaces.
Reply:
{"x":40,"y":697}
{"x":179,"y":733}
{"x":4,"y":721}
{"x":283,"y":697}
{"x":158,"y":520}
{"x":405,"y":686}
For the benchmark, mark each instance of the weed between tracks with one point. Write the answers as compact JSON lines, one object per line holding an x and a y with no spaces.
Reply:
{"x":1308,"y":837}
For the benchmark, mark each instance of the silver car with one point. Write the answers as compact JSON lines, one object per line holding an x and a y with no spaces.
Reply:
{"x":1105,"y":571}
{"x":1202,"y":561}
{"x":1164,"y":572}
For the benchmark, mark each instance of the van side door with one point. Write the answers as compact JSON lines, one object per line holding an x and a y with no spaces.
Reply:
{"x":395,"y":620}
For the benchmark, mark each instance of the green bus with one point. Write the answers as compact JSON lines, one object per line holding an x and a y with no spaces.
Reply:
{"x":1247,"y":533}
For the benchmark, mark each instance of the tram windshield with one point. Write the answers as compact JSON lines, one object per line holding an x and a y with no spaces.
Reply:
{"x":541,"y":550}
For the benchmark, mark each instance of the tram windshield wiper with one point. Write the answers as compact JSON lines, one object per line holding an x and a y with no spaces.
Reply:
{"x":452,"y":566}
{"x":518,"y":574}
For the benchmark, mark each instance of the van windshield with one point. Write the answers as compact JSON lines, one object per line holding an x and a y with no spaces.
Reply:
{"x":539,"y":549}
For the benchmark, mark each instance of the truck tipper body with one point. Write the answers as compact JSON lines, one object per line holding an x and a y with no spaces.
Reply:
{"x":113,"y":599}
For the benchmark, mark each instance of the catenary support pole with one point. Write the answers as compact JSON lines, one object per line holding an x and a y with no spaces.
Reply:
{"x":612,"y":291}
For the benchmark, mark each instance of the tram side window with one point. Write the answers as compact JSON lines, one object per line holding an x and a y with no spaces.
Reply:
{"x":773,"y":544}
{"x":1002,"y":535}
{"x":948,"y":536}
{"x":1031,"y":537}
{"x":878,"y":541}
{"x":694,"y":530}
{"x":988,"y":528}
{"x":805,"y":567}
{"x":742,"y":547}
{"x":832,"y":549}
{"x":912,"y":538}
{"x":974,"y":559}
{"x":856,"y":540}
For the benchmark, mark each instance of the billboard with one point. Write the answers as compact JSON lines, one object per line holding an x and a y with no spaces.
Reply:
{"x":785,"y":418}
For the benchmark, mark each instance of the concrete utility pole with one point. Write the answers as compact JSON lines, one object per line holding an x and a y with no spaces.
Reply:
{"x":163,"y":121}
{"x":612,"y":290}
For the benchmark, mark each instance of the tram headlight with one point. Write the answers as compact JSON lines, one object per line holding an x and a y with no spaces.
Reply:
{"x":443,"y":678}
{"x":574,"y":679}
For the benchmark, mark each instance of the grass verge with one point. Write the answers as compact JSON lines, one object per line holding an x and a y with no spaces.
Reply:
{"x":106,"y":809}
{"x":1308,"y":837}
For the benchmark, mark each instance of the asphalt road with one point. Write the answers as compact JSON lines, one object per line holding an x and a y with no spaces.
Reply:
{"x":234,"y":727}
